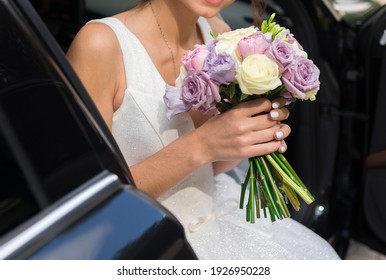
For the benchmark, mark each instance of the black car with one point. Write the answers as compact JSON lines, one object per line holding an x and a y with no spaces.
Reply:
{"x":65,"y":190}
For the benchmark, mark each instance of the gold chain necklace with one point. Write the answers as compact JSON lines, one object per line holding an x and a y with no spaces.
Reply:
{"x":165,"y":40}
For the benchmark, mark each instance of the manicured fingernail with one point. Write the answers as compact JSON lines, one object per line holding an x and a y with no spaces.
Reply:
{"x":274,"y":114}
{"x":279,"y":134}
{"x":282,"y":149}
{"x":275,"y":105}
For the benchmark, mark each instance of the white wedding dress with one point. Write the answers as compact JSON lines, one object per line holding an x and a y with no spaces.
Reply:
{"x":207,"y":206}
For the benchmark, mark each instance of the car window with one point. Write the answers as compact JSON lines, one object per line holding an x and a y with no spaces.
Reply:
{"x":48,"y":147}
{"x":17,"y":203}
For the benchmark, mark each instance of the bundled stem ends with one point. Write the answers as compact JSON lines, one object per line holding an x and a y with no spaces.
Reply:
{"x":273,"y":184}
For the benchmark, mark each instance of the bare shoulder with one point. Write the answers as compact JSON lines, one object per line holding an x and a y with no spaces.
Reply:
{"x":94,"y":40}
{"x":218,"y":25}
{"x":96,"y":57}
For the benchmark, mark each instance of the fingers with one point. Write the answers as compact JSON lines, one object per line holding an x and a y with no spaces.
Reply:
{"x":254,"y":107}
{"x":263,"y":123}
{"x":276,"y":133}
{"x":283,"y":132}
{"x":279,"y":114}
{"x":251,"y":115}
{"x":283,"y":147}
{"x":261,"y":105}
{"x":268,"y":148}
{"x":278,"y":103}
{"x":253,"y":127}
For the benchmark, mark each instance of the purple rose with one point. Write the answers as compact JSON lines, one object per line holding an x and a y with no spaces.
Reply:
{"x":195,"y":59}
{"x":200,"y":92}
{"x":257,"y":44}
{"x":301,"y":78}
{"x":291,"y":39}
{"x":288,"y":97}
{"x":174,"y":102}
{"x":283,"y":53}
{"x":221,"y":68}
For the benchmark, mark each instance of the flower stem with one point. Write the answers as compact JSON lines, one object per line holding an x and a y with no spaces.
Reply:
{"x":303,"y":193}
{"x":292,"y":171}
{"x":251,"y":200}
{"x":279,"y":200}
{"x":285,"y":169}
{"x":272,"y":207}
{"x":244,"y":188}
{"x":292,"y":197}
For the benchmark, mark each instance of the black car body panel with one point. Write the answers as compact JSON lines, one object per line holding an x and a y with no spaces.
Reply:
{"x":98,"y":221}
{"x":65,"y":189}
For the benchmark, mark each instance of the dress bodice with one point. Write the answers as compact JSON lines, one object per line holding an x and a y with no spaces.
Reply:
{"x":141,"y":128}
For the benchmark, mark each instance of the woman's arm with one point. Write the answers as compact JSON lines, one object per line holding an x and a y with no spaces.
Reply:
{"x":96,"y":57}
{"x":242,"y":132}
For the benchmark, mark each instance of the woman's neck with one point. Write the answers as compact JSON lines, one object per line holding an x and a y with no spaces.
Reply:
{"x":166,"y":32}
{"x":178,"y":24}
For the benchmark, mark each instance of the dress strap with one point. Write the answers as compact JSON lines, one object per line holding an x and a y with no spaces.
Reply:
{"x":130,"y":47}
{"x":205,"y":29}
{"x":134,"y":52}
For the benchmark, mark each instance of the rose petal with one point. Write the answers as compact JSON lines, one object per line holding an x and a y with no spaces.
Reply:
{"x":174,"y":103}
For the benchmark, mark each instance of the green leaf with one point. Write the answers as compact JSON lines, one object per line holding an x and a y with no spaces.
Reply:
{"x":244,"y":96}
{"x":264,"y":26}
{"x":232,"y":91}
{"x":272,"y":17}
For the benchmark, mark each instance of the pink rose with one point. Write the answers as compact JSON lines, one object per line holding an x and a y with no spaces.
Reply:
{"x":257,"y":44}
{"x":195,"y":59}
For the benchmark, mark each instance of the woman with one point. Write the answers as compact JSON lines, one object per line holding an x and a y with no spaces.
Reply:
{"x":124,"y":62}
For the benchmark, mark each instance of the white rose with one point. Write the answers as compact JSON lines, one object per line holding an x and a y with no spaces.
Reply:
{"x":283,"y":34}
{"x":298,"y":50}
{"x":227,"y":41}
{"x":258,"y":74}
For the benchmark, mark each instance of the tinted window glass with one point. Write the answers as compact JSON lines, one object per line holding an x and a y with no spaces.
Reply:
{"x":16,"y":201}
{"x":47,"y":146}
{"x":51,"y":137}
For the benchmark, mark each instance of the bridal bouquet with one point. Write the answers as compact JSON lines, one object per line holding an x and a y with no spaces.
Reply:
{"x":242,"y":65}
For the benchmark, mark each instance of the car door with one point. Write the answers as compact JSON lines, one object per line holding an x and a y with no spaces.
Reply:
{"x":65,"y":189}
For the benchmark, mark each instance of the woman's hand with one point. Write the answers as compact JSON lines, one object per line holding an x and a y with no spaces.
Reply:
{"x":250,"y":129}
{"x":280,"y":113}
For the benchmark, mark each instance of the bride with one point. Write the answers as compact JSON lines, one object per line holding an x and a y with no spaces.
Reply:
{"x":125,"y":61}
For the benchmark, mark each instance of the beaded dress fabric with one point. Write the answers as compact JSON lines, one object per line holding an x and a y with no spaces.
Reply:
{"x":207,"y":206}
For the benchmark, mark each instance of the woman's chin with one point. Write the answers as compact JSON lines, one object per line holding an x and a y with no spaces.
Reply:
{"x":214,"y":2}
